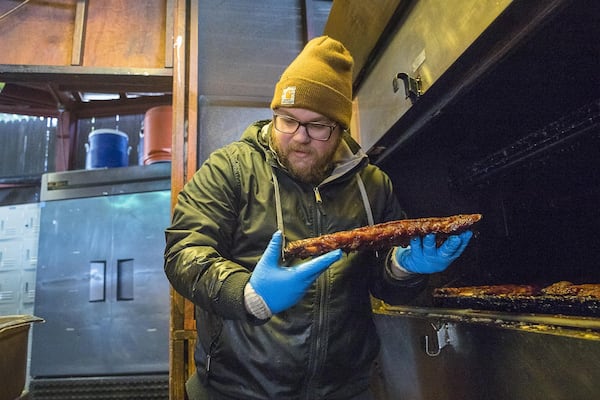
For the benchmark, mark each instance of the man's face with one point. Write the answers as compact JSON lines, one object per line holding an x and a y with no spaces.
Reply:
{"x":307,"y":159}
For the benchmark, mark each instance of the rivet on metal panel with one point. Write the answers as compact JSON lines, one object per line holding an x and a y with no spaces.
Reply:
{"x":443,"y":339}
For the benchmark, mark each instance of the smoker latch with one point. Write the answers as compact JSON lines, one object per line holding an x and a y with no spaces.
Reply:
{"x":412,"y":86}
{"x":443,"y":338}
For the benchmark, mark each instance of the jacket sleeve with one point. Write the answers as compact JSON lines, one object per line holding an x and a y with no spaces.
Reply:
{"x":198,"y":241}
{"x":396,"y":291}
{"x":383,"y":285}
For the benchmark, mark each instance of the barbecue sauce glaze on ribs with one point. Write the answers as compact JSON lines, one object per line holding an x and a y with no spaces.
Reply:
{"x":381,"y":236}
{"x":558,"y":289}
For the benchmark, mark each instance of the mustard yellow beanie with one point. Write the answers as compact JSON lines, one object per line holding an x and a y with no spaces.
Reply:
{"x":319,"y":79}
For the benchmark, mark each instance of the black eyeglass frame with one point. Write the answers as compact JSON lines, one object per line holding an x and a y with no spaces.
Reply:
{"x":306,"y":126}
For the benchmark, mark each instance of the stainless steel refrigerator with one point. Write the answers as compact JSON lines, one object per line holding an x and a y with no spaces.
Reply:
{"x":100,"y":285}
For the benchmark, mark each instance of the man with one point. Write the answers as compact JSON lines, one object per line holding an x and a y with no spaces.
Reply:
{"x":293,"y":329}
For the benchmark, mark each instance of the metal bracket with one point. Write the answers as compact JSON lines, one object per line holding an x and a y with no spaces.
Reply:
{"x":412,"y":86}
{"x":443,"y":339}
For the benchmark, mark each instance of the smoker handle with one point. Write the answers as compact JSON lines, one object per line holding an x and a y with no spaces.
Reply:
{"x":443,"y":339}
{"x":125,"y":279}
{"x":97,"y":281}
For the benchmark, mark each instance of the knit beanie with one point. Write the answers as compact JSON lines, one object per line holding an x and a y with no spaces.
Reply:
{"x":319,"y":79}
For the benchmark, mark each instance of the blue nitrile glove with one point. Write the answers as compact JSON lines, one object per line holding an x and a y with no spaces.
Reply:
{"x":280,"y":286}
{"x":424,"y":257}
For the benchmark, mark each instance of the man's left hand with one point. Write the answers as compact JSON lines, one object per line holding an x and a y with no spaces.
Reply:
{"x":424,"y":257}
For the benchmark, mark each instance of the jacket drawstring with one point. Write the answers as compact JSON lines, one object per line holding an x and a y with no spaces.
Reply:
{"x":279,"y":211}
{"x":366,"y":203}
{"x":365,"y":199}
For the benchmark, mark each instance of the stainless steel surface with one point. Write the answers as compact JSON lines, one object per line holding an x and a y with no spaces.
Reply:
{"x":489,"y":356}
{"x":573,"y":326}
{"x":105,"y":181}
{"x":359,"y":25}
{"x":95,"y":329}
{"x":428,"y":41}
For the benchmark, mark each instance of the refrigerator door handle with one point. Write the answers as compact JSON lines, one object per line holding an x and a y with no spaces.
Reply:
{"x":125,"y":279}
{"x":97,"y":281}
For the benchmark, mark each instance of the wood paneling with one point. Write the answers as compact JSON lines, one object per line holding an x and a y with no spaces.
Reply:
{"x":183,"y":165}
{"x":125,"y":33}
{"x":37,"y":33}
{"x":110,"y":33}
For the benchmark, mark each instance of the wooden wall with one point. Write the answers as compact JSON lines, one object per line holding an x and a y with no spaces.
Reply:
{"x":184,"y":162}
{"x":89,"y":33}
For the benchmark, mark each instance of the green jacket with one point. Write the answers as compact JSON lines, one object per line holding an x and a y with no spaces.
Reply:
{"x":224,"y":218}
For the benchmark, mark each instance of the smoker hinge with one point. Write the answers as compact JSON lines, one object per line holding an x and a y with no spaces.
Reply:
{"x":412,"y":86}
{"x":443,"y":338}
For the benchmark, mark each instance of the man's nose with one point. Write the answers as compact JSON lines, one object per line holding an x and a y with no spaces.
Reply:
{"x":302,"y":134}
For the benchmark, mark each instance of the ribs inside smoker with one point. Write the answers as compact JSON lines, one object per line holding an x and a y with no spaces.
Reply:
{"x":559,"y":298}
{"x":488,"y":290}
{"x":566,"y":288}
{"x":381,"y":236}
{"x":558,"y":289}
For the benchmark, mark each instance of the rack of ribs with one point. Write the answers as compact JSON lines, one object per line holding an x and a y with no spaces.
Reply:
{"x":381,"y":236}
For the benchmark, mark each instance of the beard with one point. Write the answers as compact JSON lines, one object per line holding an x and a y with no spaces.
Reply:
{"x":314,"y":173}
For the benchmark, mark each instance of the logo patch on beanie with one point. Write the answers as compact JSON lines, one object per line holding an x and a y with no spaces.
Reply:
{"x":288,"y":95}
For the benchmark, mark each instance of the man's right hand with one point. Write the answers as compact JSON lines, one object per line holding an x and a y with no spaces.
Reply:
{"x":281,"y":286}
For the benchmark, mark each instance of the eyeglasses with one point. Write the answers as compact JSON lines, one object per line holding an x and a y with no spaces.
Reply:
{"x":314,"y":130}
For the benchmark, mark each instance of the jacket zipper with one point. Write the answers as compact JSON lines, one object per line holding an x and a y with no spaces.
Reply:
{"x":322,"y":289}
{"x":215,"y":334}
{"x":320,"y":209}
{"x":211,"y":349}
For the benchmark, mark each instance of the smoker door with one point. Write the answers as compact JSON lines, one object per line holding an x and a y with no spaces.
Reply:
{"x":446,"y":354}
{"x":100,"y":287}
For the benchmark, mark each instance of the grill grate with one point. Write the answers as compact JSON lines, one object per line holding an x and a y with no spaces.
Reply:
{"x":533,"y":150}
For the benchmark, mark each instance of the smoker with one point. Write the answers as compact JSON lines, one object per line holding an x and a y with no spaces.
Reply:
{"x":507,"y":126}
